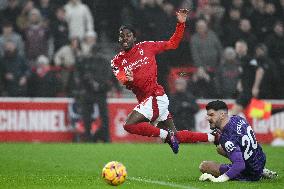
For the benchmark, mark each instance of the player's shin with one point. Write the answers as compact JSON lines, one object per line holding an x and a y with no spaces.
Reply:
{"x":144,"y":129}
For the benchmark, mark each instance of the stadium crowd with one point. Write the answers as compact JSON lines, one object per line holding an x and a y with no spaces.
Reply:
{"x":44,"y":44}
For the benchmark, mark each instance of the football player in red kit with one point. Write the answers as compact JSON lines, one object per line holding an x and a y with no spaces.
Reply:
{"x":136,"y":68}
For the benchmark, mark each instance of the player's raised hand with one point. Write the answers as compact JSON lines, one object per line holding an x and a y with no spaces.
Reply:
{"x":182,"y":15}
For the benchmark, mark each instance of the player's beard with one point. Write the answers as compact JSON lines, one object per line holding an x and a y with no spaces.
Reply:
{"x":218,"y":123}
{"x":215,"y":125}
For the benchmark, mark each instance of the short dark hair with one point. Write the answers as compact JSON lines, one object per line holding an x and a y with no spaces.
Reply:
{"x":217,"y":105}
{"x":263,"y":47}
{"x":242,"y":41}
{"x":128,"y":27}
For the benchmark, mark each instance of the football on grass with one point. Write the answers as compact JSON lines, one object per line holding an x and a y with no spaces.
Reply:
{"x":114,"y":173}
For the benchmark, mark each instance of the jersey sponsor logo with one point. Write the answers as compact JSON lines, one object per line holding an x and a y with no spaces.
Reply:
{"x":137,"y":64}
{"x":141,"y":52}
{"x":229,"y":146}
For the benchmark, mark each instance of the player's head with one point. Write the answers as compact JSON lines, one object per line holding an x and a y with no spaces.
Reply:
{"x":127,"y":37}
{"x":217,"y":113}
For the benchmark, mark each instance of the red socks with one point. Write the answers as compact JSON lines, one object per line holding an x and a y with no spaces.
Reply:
{"x":144,"y":129}
{"x":186,"y":136}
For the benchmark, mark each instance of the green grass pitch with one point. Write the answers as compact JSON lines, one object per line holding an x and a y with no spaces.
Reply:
{"x":72,"y":166}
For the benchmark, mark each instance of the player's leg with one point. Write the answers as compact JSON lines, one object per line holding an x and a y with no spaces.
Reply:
{"x":171,"y":139}
{"x":137,"y":123}
{"x":163,"y":119}
{"x":166,"y":121}
{"x":213,"y":168}
{"x":168,"y":124}
{"x":186,"y":136}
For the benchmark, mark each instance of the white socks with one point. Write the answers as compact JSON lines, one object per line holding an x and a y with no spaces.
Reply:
{"x":163,"y":134}
{"x":211,"y":137}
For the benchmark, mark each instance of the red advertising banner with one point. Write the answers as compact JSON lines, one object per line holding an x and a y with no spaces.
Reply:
{"x":47,"y":120}
{"x":32,"y":120}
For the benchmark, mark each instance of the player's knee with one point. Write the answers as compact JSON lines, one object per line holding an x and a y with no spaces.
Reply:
{"x":126,"y":127}
{"x":203,"y":167}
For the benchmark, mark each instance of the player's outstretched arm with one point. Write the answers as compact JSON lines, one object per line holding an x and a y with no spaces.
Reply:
{"x":178,"y":35}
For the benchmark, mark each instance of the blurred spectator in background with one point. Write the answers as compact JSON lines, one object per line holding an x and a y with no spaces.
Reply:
{"x":46,"y":10}
{"x":245,"y":33}
{"x":23,"y":18}
{"x":243,"y":5}
{"x":257,"y":17}
{"x":183,"y":106}
{"x":44,"y":82}
{"x":165,"y":23}
{"x":79,"y":19}
{"x":230,"y":26}
{"x":91,"y":81}
{"x":16,"y":71}
{"x":66,"y":57}
{"x":36,"y":37}
{"x":88,"y":43}
{"x":148,"y":17}
{"x":75,"y":113}
{"x":107,"y":14}
{"x":268,"y":74}
{"x":269,"y":19}
{"x":10,"y":13}
{"x":249,"y":80}
{"x":59,"y":29}
{"x":206,"y":50}
{"x":8,"y":34}
{"x":199,"y":84}
{"x":212,"y":13}
{"x":275,"y":44}
{"x":227,"y":75}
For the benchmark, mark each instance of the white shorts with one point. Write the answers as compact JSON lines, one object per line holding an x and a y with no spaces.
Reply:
{"x":154,"y":108}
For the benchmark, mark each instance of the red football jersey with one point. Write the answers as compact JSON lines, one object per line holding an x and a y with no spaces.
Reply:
{"x":142,"y":62}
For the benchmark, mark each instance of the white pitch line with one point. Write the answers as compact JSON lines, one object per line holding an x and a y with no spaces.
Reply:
{"x":173,"y":185}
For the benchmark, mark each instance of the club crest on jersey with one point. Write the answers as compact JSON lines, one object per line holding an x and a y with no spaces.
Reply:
{"x":229,"y":146}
